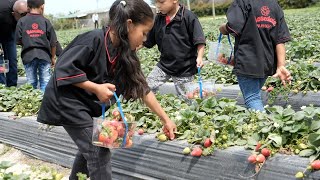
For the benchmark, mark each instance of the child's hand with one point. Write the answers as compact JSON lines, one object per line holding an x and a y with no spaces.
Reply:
{"x":283,"y":74}
{"x":199,"y":62}
{"x":169,"y":128}
{"x":105,"y":91}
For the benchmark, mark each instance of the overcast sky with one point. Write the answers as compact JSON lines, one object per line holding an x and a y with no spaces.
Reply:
{"x":65,"y":6}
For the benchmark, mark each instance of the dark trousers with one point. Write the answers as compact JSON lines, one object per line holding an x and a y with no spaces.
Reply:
{"x":10,"y":53}
{"x":90,"y":160}
{"x":96,"y":24}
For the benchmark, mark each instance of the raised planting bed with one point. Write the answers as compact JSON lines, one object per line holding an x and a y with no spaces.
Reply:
{"x":233,"y":92}
{"x":149,"y":158}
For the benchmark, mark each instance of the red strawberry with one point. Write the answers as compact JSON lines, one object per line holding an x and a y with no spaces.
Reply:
{"x":315,"y":165}
{"x":196,"y":152}
{"x":260,"y":158}
{"x":252,"y":158}
{"x":270,"y":89}
{"x":258,"y":147}
{"x":207,"y":143}
{"x":190,"y":95}
{"x":129,"y":143}
{"x":140,"y":131}
{"x":266,"y":152}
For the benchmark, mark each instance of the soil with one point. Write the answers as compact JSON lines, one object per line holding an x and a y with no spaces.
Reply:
{"x":20,"y":160}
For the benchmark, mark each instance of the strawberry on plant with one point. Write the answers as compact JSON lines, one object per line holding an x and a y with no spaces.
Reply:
{"x":197,"y":151}
{"x":162,"y":137}
{"x":207,"y":142}
{"x":186,"y":150}
{"x":260,"y":158}
{"x":266,"y":152}
{"x":252,"y":158}
{"x":270,"y":89}
{"x":299,"y":175}
{"x":315,"y":165}
{"x":140,"y":131}
{"x":258,"y":147}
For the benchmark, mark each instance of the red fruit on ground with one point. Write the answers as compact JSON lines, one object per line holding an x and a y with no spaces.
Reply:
{"x":266,"y":152}
{"x":315,"y":165}
{"x":140,"y":131}
{"x":260,"y":158}
{"x":270,"y":89}
{"x":252,"y":158}
{"x":258,"y":147}
{"x":207,"y":143}
{"x":196,"y":152}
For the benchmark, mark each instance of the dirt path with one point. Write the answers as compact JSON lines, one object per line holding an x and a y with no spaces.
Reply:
{"x":22,"y":161}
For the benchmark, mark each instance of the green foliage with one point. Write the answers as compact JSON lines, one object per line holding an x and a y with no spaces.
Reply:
{"x":24,"y":100}
{"x":295,"y":3}
{"x":205,"y":9}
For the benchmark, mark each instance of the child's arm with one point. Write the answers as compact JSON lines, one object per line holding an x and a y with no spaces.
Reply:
{"x":53,"y":53}
{"x":169,"y":126}
{"x":282,"y":72}
{"x":200,"y":55}
{"x":104,"y":92}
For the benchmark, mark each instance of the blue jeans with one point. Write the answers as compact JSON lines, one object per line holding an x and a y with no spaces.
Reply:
{"x":251,"y":91}
{"x":38,"y":67}
{"x":10,"y":53}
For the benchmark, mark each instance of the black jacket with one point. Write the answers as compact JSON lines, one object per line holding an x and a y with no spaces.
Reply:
{"x":258,"y":26}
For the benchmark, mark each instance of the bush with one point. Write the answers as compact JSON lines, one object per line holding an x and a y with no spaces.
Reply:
{"x":296,"y":3}
{"x":205,"y":9}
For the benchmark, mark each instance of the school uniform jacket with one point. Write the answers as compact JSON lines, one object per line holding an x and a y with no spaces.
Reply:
{"x":177,"y":41}
{"x":83,"y":59}
{"x":258,"y":26}
{"x":36,"y":35}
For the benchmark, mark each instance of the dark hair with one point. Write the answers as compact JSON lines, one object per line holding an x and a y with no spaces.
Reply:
{"x":35,"y":3}
{"x":128,"y":67}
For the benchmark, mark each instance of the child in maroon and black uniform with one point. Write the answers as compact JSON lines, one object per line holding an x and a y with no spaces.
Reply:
{"x":38,"y":39}
{"x":91,"y":68}
{"x":180,"y":39}
{"x":260,"y":32}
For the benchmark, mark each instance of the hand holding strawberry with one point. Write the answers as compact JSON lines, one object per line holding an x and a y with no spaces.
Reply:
{"x":169,"y":128}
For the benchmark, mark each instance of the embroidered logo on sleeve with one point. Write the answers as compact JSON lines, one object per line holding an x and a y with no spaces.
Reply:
{"x":35,"y":31}
{"x":265,"y":21}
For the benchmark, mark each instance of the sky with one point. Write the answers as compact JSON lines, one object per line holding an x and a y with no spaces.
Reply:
{"x":56,"y":7}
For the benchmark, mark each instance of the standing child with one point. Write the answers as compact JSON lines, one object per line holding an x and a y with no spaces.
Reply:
{"x":180,"y":39}
{"x":93,"y":66}
{"x":38,"y":39}
{"x":260,"y":32}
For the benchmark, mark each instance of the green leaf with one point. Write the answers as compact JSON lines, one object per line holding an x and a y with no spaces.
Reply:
{"x":315,"y":125}
{"x":306,"y":152}
{"x":314,"y":139}
{"x":266,"y":129}
{"x":298,"y":116}
{"x":222,"y":118}
{"x":253,"y":140}
{"x":288,"y":112}
{"x":185,"y":135}
{"x":276,"y":138}
{"x":240,"y":142}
